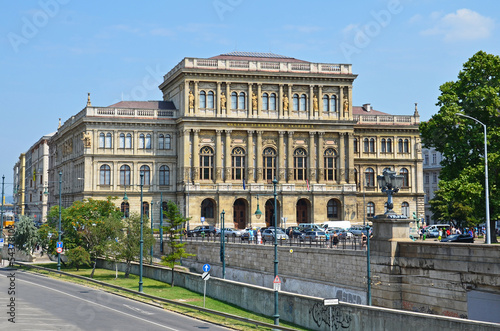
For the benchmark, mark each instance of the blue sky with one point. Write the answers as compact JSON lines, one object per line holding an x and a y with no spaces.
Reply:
{"x":55,"y":51}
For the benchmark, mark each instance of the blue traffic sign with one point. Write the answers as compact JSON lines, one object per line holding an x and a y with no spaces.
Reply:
{"x":206,"y":267}
{"x":59,"y":244}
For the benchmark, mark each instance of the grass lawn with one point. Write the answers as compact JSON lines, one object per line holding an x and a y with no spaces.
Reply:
{"x":165,"y":291}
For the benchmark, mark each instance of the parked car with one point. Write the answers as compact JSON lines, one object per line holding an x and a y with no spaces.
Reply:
{"x":207,"y":230}
{"x":459,"y":238}
{"x":431,"y":233}
{"x":269,"y":233}
{"x":315,"y":236}
{"x":341,"y":233}
{"x":296,"y":233}
{"x":231,"y":232}
{"x":248,"y":233}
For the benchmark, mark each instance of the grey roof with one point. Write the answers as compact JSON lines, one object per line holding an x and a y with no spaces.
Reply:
{"x":144,"y":105}
{"x":257,"y":54}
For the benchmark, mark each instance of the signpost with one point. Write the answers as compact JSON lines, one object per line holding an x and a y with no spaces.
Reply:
{"x":330,"y":302}
{"x":202,"y":219}
{"x":205,"y":276}
{"x":1,"y":242}
{"x":277,"y":284}
{"x":59,"y":247}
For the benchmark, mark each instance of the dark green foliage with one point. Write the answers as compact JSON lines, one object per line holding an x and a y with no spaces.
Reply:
{"x":78,"y":257}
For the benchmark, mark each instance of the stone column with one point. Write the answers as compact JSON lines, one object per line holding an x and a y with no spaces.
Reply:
{"x":259,"y":156}
{"x":228,"y":98}
{"x":311,"y":97}
{"x":350,"y":157}
{"x":341,"y":103}
{"x":281,"y":154}
{"x":290,"y":101}
{"x":290,"y":157}
{"x":218,"y":156}
{"x":196,"y":155}
{"x":280,"y":102}
{"x":196,"y":98}
{"x":342,"y":158}
{"x":312,"y":158}
{"x":249,"y":101}
{"x":259,"y":99}
{"x":185,"y":103}
{"x":349,"y":116}
{"x":251,"y":157}
{"x":218,"y":108}
{"x":321,"y":158}
{"x":320,"y":100}
{"x":227,"y":157}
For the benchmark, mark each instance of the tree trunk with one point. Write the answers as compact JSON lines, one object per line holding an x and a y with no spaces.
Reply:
{"x":173,"y":267}
{"x":93,"y":269}
{"x":127,"y":269}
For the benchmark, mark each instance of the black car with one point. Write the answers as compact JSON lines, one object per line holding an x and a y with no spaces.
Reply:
{"x":207,"y":230}
{"x":459,"y":238}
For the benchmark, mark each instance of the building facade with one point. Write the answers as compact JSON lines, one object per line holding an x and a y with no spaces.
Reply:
{"x":432,"y":168}
{"x":226,"y":128}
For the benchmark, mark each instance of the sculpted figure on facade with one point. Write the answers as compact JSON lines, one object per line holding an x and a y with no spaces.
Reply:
{"x":254,"y":101}
{"x":223,"y":101}
{"x":285,"y":102}
{"x":191,"y":99}
{"x":259,"y":174}
{"x":195,"y":173}
{"x":313,"y":174}
{"x":218,"y":173}
{"x":315,"y":103}
{"x":87,"y":139}
{"x":346,"y":104}
{"x":282,"y":174}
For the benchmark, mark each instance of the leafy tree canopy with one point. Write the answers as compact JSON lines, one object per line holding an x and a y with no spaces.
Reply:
{"x":26,"y":235}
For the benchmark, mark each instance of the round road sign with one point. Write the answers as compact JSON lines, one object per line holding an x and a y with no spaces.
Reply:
{"x":59,"y":249}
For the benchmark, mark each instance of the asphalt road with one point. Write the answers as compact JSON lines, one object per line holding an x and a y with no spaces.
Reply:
{"x":36,"y":302}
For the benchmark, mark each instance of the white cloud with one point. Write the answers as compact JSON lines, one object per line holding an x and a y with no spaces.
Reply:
{"x":349,"y":28}
{"x":415,"y":19}
{"x":162,"y":32}
{"x":303,"y":28}
{"x":463,"y":25}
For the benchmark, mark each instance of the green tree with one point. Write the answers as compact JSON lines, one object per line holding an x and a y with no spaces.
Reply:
{"x":26,"y":235}
{"x":77,"y":257}
{"x":476,"y":93}
{"x":127,"y":246}
{"x":173,"y":229}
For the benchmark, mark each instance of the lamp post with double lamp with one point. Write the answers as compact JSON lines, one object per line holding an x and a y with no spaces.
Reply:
{"x":276,"y":313}
{"x":488,"y":230}
{"x":59,"y":231}
{"x":390,"y":183}
{"x":142,"y":240}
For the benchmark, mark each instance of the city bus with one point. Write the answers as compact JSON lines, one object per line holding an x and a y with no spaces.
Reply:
{"x":8,"y":220}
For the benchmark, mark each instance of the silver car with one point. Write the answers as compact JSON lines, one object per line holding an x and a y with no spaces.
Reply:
{"x":231,"y":232}
{"x":268,"y":235}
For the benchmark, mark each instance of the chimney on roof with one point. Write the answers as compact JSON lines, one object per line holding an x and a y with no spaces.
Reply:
{"x":367,"y":107}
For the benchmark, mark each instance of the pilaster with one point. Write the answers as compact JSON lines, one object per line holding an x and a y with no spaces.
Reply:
{"x":227,"y":157}
{"x":259,"y":156}
{"x":218,"y":156}
{"x":281,"y":153}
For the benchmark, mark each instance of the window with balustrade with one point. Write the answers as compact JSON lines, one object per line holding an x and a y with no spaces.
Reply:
{"x":329,"y":103}
{"x":105,"y":140}
{"x":300,"y":164}
{"x":369,"y":177}
{"x":164,"y":175}
{"x":125,"y":175}
{"x":330,"y":165}
{"x":147,"y":175}
{"x":105,"y":175}
{"x":164,"y":141}
{"x":206,"y":163}
{"x":238,"y":163}
{"x":269,"y":166}
{"x":295,"y":102}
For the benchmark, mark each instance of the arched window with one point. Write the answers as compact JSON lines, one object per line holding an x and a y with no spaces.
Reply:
{"x":148,"y":141}
{"x":333,"y":104}
{"x":400,"y":145}
{"x":406,"y":146}
{"x":370,"y":209}
{"x":203,"y":99}
{"x":404,"y":172}
{"x":238,"y":169}
{"x":269,"y":159}
{"x":101,"y":140}
{"x":164,"y":175}
{"x":210,"y":100}
{"x":366,"y":145}
{"x":325,"y":103}
{"x":330,"y":165}
{"x":145,"y":208}
{"x":405,"y":209}
{"x":356,"y":145}
{"x":300,"y":164}
{"x":303,"y":102}
{"x":168,"y":142}
{"x":142,"y":141}
{"x":234,"y":100}
{"x":372,"y":145}
{"x":147,"y":175}
{"x":128,"y":141}
{"x":389,"y":145}
{"x":105,"y":175}
{"x":369,"y":177}
{"x":265,"y":101}
{"x":122,"y":140}
{"x":332,"y":209}
{"x":272,"y":101}
{"x":295,"y":100}
{"x":108,"y":140}
{"x":241,"y":101}
{"x":206,"y":163}
{"x":125,"y":209}
{"x":161,"y":141}
{"x":125,"y":175}
{"x":383,"y":146}
{"x":207,"y":208}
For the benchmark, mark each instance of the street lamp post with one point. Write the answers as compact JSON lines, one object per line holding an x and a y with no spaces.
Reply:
{"x":488,"y":231}
{"x":161,"y":222}
{"x":142,"y":240}
{"x":1,"y":219}
{"x":390,"y":183}
{"x":152,"y":232}
{"x":223,"y":246}
{"x":276,"y":313}
{"x":59,"y":231}
{"x":368,"y":273}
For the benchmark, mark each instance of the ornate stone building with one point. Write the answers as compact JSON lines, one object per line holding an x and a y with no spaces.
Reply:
{"x":227,"y":127}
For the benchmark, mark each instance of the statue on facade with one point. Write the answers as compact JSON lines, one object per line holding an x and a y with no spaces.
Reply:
{"x":315,"y":103}
{"x":87,"y":142}
{"x":223,"y":100}
{"x":346,"y":104}
{"x":285,"y":102}
{"x":282,"y":174}
{"x":254,"y":101}
{"x":191,"y":99}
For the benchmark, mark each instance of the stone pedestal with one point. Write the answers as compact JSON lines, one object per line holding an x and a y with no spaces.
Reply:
{"x":388,"y":230}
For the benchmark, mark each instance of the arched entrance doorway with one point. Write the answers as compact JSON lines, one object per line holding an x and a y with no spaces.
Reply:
{"x":239,"y":214}
{"x":270,"y":212}
{"x":208,"y":211}
{"x":303,"y":211}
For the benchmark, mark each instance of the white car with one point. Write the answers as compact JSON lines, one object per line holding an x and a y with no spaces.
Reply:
{"x":231,"y":232}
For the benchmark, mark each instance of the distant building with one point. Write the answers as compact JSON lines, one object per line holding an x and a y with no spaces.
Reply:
{"x":432,"y":168}
{"x":229,"y":125}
